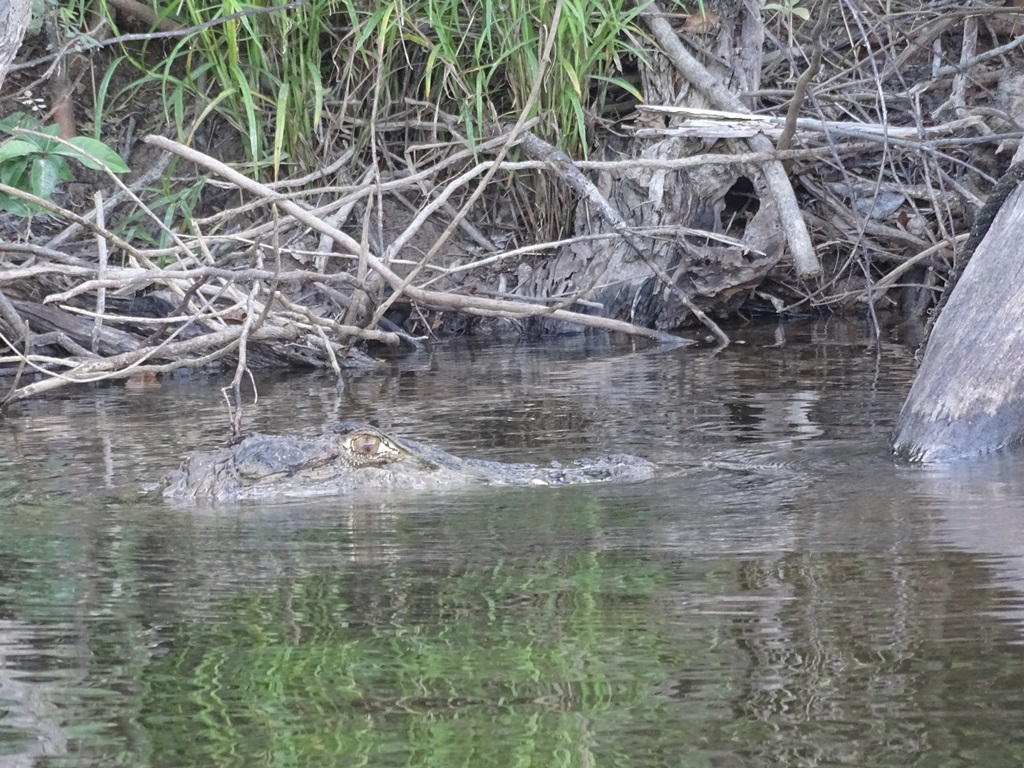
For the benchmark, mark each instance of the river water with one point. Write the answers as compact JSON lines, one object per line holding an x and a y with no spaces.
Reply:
{"x":783,"y":593}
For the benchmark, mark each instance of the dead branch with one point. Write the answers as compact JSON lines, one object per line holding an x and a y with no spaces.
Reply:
{"x":470,"y":304}
{"x":128,"y":364}
{"x":804,"y":256}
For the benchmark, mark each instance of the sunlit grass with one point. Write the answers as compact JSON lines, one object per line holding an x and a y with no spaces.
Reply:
{"x":286,"y":80}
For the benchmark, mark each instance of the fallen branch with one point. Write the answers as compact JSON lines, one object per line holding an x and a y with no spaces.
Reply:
{"x":470,"y":304}
{"x":128,"y":276}
{"x":128,"y":364}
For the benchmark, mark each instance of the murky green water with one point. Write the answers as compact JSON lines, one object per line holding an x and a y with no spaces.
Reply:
{"x":782,"y":594}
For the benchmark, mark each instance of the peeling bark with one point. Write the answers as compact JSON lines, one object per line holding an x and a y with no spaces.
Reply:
{"x":14,"y":18}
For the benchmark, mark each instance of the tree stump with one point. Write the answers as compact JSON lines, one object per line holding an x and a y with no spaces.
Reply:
{"x":968,"y":395}
{"x":668,"y":207}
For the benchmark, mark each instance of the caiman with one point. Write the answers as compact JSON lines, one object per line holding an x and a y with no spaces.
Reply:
{"x":355,"y":456}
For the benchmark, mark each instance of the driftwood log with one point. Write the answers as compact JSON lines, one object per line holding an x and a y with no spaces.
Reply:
{"x":968,"y":395}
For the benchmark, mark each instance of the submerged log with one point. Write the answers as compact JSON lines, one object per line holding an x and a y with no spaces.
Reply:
{"x":968,"y":395}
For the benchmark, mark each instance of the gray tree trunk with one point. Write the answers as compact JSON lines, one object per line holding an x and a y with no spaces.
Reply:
{"x":968,"y":396}
{"x":14,"y":18}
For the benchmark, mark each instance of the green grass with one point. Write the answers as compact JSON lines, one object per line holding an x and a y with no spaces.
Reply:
{"x":290,"y":81}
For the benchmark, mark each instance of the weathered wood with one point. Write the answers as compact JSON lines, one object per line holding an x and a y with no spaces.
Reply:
{"x":79,"y":328}
{"x":968,"y":396}
{"x":14,"y":18}
{"x":563,"y":165}
{"x":805,"y":259}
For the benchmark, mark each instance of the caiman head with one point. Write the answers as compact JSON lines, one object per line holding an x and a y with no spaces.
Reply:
{"x":350,"y":447}
{"x":360,"y":445}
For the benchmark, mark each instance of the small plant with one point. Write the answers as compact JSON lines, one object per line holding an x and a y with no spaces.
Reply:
{"x":34,"y":161}
{"x":790,"y":7}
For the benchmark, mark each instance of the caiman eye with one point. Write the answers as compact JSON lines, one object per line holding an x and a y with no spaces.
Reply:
{"x":366,"y":445}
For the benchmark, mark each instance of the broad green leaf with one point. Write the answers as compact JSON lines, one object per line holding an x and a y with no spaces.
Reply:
{"x":63,"y":169}
{"x":12,"y":172}
{"x":46,"y":173}
{"x":17,"y":120}
{"x":43,"y":145}
{"x":92,"y":154}
{"x":16,"y":148}
{"x":15,"y":205}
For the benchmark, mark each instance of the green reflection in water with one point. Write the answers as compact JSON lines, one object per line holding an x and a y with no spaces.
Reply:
{"x":498,"y":635}
{"x":529,"y":663}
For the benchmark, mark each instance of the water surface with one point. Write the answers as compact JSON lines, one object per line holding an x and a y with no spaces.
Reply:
{"x":783,"y":593}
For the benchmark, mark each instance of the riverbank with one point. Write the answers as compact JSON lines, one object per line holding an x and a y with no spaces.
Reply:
{"x":829,"y":164}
